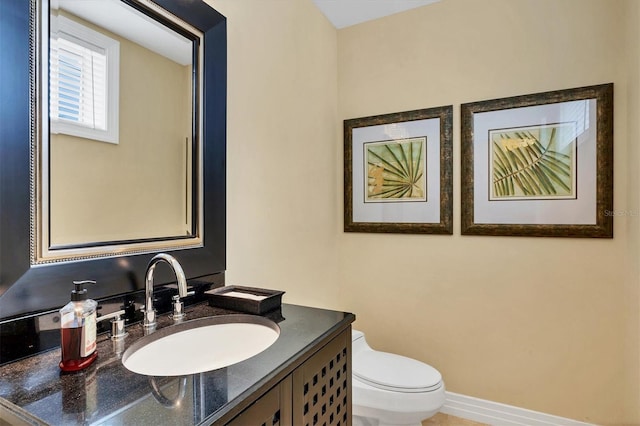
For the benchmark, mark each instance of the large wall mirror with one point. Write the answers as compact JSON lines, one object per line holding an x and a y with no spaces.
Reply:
{"x":120,"y":90}
{"x":114,"y":148}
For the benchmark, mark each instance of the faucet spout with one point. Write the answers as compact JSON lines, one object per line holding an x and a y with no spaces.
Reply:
{"x":149,"y":312}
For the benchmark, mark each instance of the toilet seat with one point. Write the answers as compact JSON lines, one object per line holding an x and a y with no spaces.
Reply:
{"x":395,"y":373}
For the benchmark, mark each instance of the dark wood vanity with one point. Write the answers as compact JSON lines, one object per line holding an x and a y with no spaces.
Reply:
{"x":304,"y":378}
{"x":316,"y":392}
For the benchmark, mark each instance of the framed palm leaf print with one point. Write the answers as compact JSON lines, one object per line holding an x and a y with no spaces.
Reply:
{"x":539,"y":165}
{"x":397,"y":172}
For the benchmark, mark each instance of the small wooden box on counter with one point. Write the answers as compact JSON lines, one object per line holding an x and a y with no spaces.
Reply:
{"x":251,"y":300}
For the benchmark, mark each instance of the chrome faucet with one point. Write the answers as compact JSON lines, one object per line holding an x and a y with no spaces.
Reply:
{"x":149,"y":312}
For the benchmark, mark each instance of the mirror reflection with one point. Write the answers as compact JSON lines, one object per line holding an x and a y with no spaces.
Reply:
{"x":120,"y":160}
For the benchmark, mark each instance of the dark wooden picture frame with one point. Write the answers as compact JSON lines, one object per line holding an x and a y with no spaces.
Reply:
{"x":484,"y":203}
{"x":408,"y":126}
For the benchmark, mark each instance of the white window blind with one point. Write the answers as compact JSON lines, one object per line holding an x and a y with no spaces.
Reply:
{"x":78,"y":83}
{"x":83,"y":82}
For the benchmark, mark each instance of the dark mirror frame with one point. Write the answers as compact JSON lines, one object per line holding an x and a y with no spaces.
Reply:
{"x":27,"y":288}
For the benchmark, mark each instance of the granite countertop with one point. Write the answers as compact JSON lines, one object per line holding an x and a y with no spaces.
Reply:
{"x":108,"y":393}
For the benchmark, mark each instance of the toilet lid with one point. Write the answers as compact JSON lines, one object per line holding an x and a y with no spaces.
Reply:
{"x":395,"y":372}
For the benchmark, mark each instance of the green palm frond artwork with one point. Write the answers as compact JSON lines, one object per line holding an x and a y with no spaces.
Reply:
{"x":536,"y":162}
{"x":396,"y":170}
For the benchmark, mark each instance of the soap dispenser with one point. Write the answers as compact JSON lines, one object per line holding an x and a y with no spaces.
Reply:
{"x":78,"y":329}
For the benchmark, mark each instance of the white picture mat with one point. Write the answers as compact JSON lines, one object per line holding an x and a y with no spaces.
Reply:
{"x":401,"y":212}
{"x":579,"y":211}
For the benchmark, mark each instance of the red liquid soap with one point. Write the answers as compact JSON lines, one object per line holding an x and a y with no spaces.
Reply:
{"x":71,"y":355}
{"x":78,"y":330}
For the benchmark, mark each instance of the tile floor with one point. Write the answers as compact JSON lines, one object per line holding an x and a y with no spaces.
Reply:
{"x":442,"y":419}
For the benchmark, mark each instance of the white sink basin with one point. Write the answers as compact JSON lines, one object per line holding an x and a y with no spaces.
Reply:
{"x":200,"y":345}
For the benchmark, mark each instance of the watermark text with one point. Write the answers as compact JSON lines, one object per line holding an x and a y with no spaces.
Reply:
{"x":622,"y":213}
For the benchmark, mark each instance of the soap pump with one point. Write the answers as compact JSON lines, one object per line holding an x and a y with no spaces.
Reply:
{"x":78,"y":329}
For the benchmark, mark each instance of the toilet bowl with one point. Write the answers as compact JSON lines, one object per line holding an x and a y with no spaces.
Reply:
{"x":390,"y":389}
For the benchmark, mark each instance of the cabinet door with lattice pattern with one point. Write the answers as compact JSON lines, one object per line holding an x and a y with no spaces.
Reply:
{"x":322,"y":386}
{"x":271,"y":409}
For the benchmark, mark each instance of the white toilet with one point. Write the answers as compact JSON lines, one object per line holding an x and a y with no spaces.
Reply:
{"x":390,"y":389}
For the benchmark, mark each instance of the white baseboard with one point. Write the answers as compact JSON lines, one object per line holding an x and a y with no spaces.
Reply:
{"x":495,"y":413}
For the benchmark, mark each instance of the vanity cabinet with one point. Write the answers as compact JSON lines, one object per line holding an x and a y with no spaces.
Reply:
{"x":303,"y":379}
{"x":271,"y":409}
{"x":316,"y":392}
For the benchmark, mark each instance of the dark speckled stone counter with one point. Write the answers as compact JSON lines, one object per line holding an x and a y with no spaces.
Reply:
{"x":108,"y":394}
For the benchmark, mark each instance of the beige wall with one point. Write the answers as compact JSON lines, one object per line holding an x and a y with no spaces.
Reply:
{"x":106,"y":192}
{"x":556,"y":330}
{"x":282,"y":173}
{"x":631,"y":308}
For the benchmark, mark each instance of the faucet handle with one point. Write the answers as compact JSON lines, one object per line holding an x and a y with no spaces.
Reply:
{"x":178,"y":308}
{"x":117,"y":324}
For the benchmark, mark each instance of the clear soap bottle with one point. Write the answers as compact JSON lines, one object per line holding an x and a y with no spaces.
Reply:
{"x":78,"y":329}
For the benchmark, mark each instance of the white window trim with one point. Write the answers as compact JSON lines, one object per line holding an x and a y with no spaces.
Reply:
{"x":112,"y":49}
